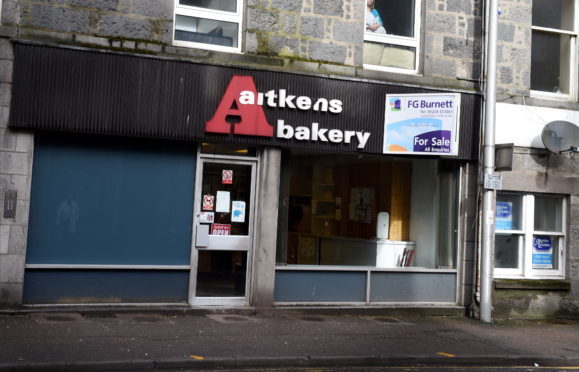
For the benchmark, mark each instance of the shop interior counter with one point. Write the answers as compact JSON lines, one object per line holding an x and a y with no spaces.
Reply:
{"x":310,"y":249}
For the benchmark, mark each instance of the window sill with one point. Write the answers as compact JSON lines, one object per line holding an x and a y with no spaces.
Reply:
{"x":537,"y":94}
{"x":395,"y":70}
{"x":533,"y":284}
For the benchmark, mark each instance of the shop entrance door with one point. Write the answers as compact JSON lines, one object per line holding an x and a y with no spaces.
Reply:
{"x":223,"y":232}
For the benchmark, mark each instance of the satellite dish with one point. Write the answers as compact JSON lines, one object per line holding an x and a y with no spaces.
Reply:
{"x":560,"y":136}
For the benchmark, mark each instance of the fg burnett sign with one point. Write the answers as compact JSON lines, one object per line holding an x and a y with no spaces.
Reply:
{"x":422,"y":124}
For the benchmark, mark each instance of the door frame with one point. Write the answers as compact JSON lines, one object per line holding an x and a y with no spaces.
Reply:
{"x":254,"y":162}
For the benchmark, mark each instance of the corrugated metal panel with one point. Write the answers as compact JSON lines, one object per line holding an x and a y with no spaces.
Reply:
{"x":96,"y":92}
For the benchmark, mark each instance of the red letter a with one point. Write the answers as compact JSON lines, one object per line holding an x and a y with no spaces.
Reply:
{"x":251,"y":120}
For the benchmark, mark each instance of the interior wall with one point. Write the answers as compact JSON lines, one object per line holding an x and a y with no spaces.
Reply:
{"x":423,"y":212}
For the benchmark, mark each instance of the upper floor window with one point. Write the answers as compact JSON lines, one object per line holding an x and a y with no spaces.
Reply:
{"x":529,"y":236}
{"x":553,"y":59}
{"x":208,"y":24}
{"x":392,"y":34}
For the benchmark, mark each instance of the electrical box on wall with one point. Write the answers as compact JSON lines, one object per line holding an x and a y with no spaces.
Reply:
{"x":504,"y":157}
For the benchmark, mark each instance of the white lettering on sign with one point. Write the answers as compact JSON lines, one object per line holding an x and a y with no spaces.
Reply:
{"x":434,"y":141}
{"x":242,"y":100}
{"x":284,"y":100}
{"x":315,"y":133}
{"x":220,"y":229}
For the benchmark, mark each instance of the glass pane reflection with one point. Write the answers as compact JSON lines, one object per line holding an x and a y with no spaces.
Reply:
{"x":221,"y":274}
{"x":206,"y":31}
{"x":224,"y":5}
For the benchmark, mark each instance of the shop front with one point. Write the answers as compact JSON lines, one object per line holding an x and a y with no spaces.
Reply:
{"x":161,"y":181}
{"x":369,"y":230}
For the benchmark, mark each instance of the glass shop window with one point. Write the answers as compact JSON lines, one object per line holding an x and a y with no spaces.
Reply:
{"x":529,"y":236}
{"x":209,"y":24}
{"x":391,"y":36}
{"x":553,"y":56}
{"x":352,"y":210}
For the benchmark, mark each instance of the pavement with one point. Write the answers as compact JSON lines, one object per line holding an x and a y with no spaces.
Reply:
{"x":184,"y":339}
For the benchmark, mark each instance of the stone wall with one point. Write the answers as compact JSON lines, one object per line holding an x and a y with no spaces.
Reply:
{"x":143,"y":25}
{"x":514,"y":47}
{"x":319,"y":30}
{"x":312,"y":35}
{"x":572,"y":304}
{"x":15,"y":169}
{"x":517,"y":299}
{"x":453,"y":44}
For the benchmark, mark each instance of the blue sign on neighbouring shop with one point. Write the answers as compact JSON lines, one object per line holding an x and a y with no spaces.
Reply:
{"x":542,"y":252}
{"x":504,"y":216}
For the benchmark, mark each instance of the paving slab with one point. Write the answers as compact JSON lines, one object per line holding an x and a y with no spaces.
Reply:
{"x":206,"y":340}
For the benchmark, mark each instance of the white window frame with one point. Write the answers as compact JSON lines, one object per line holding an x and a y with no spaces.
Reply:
{"x":216,"y":15}
{"x":413,"y":42}
{"x":572,"y":79}
{"x":525,"y":268}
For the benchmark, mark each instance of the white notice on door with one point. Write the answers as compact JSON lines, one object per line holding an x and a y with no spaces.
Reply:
{"x":222,"y":203}
{"x":206,"y":217}
{"x":238,"y":211}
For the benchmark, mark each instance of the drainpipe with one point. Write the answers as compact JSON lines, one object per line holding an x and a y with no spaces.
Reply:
{"x":488,"y":204}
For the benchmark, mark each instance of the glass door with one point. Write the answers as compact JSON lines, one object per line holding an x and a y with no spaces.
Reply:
{"x":223,"y":232}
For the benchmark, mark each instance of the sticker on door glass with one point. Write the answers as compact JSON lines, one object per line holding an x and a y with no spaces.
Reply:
{"x":237,"y":211}
{"x":227,"y":177}
{"x":206,"y":217}
{"x":220,"y":229}
{"x":208,"y":201}
{"x":222,"y":202}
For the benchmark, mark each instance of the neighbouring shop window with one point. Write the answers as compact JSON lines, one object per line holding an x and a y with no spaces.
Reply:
{"x":209,"y":24}
{"x":530,"y":236}
{"x":352,"y":210}
{"x":554,"y":35}
{"x":391,"y":37}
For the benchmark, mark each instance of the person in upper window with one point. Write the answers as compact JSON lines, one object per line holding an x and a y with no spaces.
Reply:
{"x":374,"y":23}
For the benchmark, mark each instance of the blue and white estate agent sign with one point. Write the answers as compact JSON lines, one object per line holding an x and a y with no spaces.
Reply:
{"x":542,"y":252}
{"x":238,"y":211}
{"x":422,"y":124}
{"x":504,"y":216}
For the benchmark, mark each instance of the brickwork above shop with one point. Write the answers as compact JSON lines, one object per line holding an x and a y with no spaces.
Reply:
{"x":453,"y":44}
{"x":317,"y":36}
{"x":514,"y":47}
{"x":319,"y":30}
{"x":137,"y":20}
